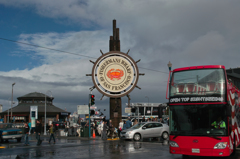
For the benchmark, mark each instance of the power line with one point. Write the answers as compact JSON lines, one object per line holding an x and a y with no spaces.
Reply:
{"x":153,"y":70}
{"x":46,"y":48}
{"x":67,"y":52}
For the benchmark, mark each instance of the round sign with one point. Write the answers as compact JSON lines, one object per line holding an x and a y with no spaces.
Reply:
{"x":115,"y":74}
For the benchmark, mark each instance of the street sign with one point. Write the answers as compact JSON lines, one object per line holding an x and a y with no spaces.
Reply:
{"x":82,"y":109}
{"x":93,"y":107}
{"x":128,"y":110}
{"x":96,"y":112}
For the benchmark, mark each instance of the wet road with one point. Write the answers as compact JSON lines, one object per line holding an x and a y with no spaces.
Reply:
{"x":68,"y":148}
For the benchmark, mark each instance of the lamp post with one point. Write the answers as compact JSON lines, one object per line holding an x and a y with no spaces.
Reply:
{"x":12,"y":99}
{"x":169,"y":67}
{"x":45,"y":120}
{"x":148,"y":101}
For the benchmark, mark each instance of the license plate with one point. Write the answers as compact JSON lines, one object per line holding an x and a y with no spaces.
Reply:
{"x":195,"y":150}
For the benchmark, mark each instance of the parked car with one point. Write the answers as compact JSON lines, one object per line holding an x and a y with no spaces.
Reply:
{"x":146,"y":130}
{"x":58,"y":125}
{"x":9,"y":131}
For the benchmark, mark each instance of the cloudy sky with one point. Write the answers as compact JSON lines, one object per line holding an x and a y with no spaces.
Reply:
{"x":186,"y":32}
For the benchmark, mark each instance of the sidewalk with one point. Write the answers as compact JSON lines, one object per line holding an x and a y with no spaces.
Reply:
{"x":67,"y":137}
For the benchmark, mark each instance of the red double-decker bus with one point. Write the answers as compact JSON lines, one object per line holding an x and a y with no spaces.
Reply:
{"x":204,"y":112}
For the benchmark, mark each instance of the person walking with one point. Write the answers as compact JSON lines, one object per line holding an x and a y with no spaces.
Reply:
{"x":29,"y":125}
{"x":104,"y":132}
{"x":111,"y":128}
{"x":124,"y":125}
{"x":38,"y":132}
{"x":135,"y":122}
{"x":120,"y":127}
{"x":144,"y":120}
{"x":26,"y":132}
{"x":51,"y":131}
{"x":128,"y":123}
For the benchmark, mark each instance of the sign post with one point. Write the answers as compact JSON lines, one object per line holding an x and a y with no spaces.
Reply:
{"x":115,"y":74}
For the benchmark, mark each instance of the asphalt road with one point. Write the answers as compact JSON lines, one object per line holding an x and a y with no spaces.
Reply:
{"x":75,"y":148}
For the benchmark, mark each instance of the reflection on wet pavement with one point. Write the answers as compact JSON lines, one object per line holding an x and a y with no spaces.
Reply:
{"x":65,"y":148}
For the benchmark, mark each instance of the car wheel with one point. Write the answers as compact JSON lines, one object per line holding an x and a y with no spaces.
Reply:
{"x":137,"y":137}
{"x":164,"y":135}
{"x":19,"y":139}
{"x":1,"y":140}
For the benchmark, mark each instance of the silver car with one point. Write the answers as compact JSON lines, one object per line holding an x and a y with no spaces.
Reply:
{"x":146,"y":130}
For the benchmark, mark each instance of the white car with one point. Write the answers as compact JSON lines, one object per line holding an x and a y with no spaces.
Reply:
{"x":146,"y":130}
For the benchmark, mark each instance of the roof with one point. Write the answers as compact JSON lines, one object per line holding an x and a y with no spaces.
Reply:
{"x":235,"y":72}
{"x":198,"y":67}
{"x":25,"y":108}
{"x":34,"y":95}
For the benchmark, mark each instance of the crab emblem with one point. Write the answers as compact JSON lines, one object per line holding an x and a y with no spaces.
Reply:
{"x":117,"y":74}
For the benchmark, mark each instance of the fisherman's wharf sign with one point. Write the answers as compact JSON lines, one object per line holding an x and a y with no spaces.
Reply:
{"x":115,"y":74}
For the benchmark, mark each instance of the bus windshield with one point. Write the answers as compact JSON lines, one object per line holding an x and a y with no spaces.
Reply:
{"x":198,"y":82}
{"x":198,"y":120}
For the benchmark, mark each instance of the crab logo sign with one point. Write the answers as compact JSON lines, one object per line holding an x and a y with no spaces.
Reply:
{"x":115,"y":74}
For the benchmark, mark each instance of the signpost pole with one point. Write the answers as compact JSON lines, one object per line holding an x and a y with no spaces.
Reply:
{"x":89,"y":120}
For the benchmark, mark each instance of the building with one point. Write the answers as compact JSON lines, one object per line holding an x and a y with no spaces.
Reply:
{"x":146,"y":109}
{"x":233,"y":74}
{"x":21,"y":112}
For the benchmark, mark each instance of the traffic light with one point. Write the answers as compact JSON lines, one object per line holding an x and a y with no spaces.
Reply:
{"x":133,"y":110}
{"x":160,"y":111}
{"x":92,"y":99}
{"x":92,"y":112}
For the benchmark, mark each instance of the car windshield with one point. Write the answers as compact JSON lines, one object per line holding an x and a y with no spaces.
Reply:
{"x":195,"y":120}
{"x":137,"y":125}
{"x":6,"y":126}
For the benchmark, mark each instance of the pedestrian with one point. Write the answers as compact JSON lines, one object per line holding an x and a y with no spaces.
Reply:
{"x":111,"y":128}
{"x":51,"y":131}
{"x":124,"y":125}
{"x":156,"y":119}
{"x":38,"y":132}
{"x":161,"y":120}
{"x":29,"y":125}
{"x":26,"y":132}
{"x":120,"y":127}
{"x":144,"y":120}
{"x":128,"y":123}
{"x":101,"y":128}
{"x":135,"y":122}
{"x":104,"y":132}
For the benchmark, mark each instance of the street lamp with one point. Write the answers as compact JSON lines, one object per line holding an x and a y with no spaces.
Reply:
{"x":169,"y":65}
{"x":12,"y":99}
{"x":46,"y":112}
{"x":8,"y":109}
{"x":148,"y":101}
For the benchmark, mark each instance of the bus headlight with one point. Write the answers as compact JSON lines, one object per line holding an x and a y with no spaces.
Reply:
{"x":220,"y":145}
{"x":173,"y":144}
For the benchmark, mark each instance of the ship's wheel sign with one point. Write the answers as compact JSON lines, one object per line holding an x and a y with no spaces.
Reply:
{"x":115,"y":74}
